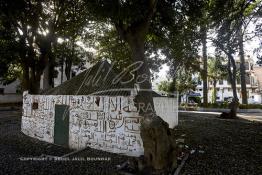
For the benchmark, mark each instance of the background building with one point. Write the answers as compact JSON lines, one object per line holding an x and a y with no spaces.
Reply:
{"x":9,"y":93}
{"x":224,"y":90}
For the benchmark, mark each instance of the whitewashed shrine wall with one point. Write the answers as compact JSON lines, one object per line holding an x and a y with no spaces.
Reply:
{"x":106,"y":123}
{"x":167,"y":109}
{"x":38,"y":123}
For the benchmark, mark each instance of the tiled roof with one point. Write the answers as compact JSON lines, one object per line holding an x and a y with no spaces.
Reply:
{"x":98,"y":80}
{"x":101,"y":79}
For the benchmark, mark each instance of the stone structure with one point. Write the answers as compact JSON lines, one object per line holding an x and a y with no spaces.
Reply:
{"x":9,"y":92}
{"x":109,"y":123}
{"x":93,"y":109}
{"x":10,"y":88}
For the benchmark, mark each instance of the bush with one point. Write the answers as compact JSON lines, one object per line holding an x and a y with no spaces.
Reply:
{"x":225,"y":105}
{"x":250,"y":106}
{"x":216,"y":105}
{"x":183,"y":104}
{"x":195,"y":99}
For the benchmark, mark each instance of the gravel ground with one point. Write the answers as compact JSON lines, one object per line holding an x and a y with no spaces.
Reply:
{"x":231,"y":147}
{"x":17,"y":150}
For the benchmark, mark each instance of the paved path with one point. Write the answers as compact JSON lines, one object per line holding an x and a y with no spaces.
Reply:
{"x":247,"y":116}
{"x":251,"y":116}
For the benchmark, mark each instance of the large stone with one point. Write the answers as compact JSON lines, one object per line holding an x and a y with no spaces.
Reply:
{"x":159,"y":146}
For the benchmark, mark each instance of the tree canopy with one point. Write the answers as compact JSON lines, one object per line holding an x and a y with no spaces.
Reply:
{"x":38,"y":36}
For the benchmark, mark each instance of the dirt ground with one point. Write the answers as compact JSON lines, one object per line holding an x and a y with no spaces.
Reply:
{"x":231,"y":147}
{"x":17,"y":149}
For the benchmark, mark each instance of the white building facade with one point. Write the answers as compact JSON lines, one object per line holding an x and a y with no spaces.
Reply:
{"x":224,"y":90}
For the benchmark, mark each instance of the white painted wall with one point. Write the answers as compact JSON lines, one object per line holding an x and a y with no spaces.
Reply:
{"x":113,"y":125}
{"x":167,"y":109}
{"x":10,"y":98}
{"x":10,"y":88}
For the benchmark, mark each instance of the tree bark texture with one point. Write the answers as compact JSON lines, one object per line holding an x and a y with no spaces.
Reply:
{"x":204,"y":60}
{"x":215,"y":91}
{"x":159,"y":146}
{"x":232,"y":77}
{"x":242,"y":67}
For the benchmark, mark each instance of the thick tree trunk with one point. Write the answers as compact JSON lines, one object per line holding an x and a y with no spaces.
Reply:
{"x":242,"y":68}
{"x":62,"y":71}
{"x":68,"y":67}
{"x":46,"y":76}
{"x":232,"y":77}
{"x":46,"y":46}
{"x":214,"y":91}
{"x":25,"y":78}
{"x":25,"y":83}
{"x":34,"y":81}
{"x":137,"y":51}
{"x":174,"y":77}
{"x":44,"y":57}
{"x":204,"y":60}
{"x":69,"y":60}
{"x":159,"y":145}
{"x":34,"y":70}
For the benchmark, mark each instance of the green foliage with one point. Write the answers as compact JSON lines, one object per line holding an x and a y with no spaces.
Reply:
{"x":173,"y":30}
{"x":165,"y":86}
{"x":183,"y":82}
{"x":216,"y":69}
{"x":223,"y":105}
{"x":195,"y":99}
{"x":29,"y":33}
{"x":214,"y":95}
{"x":250,"y":106}
{"x":109,"y":46}
{"x":13,"y":72}
{"x":30,"y":29}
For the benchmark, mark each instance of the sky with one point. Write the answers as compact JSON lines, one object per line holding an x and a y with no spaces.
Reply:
{"x":249,"y":47}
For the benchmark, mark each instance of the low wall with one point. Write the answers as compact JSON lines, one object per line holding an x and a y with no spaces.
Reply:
{"x":167,"y":109}
{"x":102,"y":122}
{"x":10,"y":98}
{"x":228,"y":110}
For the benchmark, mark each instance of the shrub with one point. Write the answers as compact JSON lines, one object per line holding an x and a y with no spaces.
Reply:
{"x":195,"y":99}
{"x":250,"y":106}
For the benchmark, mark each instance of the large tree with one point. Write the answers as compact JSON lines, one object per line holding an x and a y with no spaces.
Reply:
{"x":250,"y":10}
{"x":216,"y":71}
{"x":227,"y":16}
{"x":35,"y":27}
{"x":64,"y":19}
{"x":184,"y":82}
{"x":21,"y":18}
{"x":204,"y":27}
{"x":134,"y":21}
